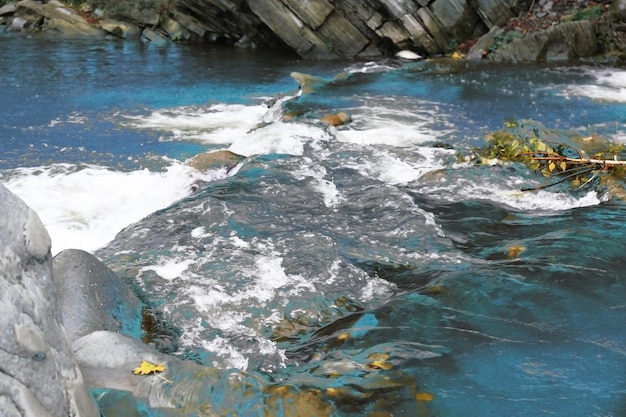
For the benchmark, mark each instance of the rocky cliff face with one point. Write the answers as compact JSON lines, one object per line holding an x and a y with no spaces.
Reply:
{"x":329,"y":29}
{"x":314,"y":29}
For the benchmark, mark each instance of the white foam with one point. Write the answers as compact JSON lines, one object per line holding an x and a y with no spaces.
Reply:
{"x":610,"y":86}
{"x":169,"y":269}
{"x":217,"y":124}
{"x":227,"y":307}
{"x":394,"y":170}
{"x":327,"y":188}
{"x":399,"y":123}
{"x":508,"y":193}
{"x":280,"y":138}
{"x":86,"y":208}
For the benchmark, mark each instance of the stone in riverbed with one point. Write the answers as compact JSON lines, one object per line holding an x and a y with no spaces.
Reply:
{"x":91,"y":297}
{"x":336,"y":119}
{"x":215,"y":160}
{"x":40,"y":376}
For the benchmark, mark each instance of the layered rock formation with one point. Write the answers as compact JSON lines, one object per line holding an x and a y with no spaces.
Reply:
{"x":314,"y":29}
{"x":322,"y":29}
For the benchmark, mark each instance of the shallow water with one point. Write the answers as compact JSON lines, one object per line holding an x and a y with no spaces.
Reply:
{"x":364,"y":265}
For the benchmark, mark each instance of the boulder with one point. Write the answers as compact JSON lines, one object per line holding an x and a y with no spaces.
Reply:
{"x":8,"y":9}
{"x":215,"y":160}
{"x":40,"y":376}
{"x":91,"y":297}
{"x":336,"y":119}
{"x":567,"y":41}
{"x":618,"y":7}
{"x":153,"y":37}
{"x":120,"y":29}
{"x":484,"y":44}
{"x":58,"y":18}
{"x":173,"y":28}
{"x":183,"y":389}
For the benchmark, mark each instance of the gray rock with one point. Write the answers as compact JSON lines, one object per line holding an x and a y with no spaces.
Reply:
{"x":480,"y":48}
{"x":566,"y":41}
{"x":184,"y":388}
{"x":120,"y":29}
{"x":91,"y":297}
{"x":173,"y":28}
{"x":58,"y":18}
{"x":618,"y":7}
{"x":7,"y":9}
{"x":40,"y":376}
{"x":290,"y":28}
{"x":152,"y":37}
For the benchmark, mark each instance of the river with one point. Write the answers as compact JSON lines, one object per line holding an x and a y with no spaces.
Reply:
{"x":366,"y":263}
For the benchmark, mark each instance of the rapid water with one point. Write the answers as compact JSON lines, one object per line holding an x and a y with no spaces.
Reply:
{"x":364,"y":265}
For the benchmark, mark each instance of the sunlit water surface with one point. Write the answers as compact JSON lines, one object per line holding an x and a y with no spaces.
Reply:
{"x":363,"y":264}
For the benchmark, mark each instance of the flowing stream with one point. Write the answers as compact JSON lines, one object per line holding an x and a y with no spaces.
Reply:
{"x":364,"y":264}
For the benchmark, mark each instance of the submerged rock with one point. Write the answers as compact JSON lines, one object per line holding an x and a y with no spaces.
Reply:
{"x":40,"y":376}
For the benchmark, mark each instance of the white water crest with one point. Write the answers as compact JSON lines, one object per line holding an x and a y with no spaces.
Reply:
{"x":84,"y":208}
{"x":609,"y":85}
{"x":396,"y":122}
{"x":215,"y":124}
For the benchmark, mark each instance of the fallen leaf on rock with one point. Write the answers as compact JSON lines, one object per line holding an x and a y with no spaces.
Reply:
{"x":148,"y":368}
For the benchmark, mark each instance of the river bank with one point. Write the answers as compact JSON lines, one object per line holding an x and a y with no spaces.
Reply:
{"x":543,"y":31}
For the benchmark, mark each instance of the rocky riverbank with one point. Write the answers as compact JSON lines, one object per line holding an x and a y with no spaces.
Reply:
{"x":545,"y":30}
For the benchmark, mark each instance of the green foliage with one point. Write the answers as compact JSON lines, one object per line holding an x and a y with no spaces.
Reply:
{"x":587,"y":13}
{"x":504,"y":39}
{"x":574,"y":158}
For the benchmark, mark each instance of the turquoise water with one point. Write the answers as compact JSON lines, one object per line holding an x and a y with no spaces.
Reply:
{"x":363,"y":266}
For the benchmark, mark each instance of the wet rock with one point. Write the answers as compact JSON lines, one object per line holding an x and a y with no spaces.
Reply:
{"x":336,"y":119}
{"x":91,"y":297}
{"x":40,"y":376}
{"x":215,"y":160}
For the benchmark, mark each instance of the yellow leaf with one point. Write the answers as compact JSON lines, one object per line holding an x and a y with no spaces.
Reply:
{"x":424,"y":396}
{"x":343,"y":336}
{"x":380,"y":365}
{"x":147,"y":368}
{"x":563,"y":166}
{"x":551,"y":166}
{"x":514,"y":251}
